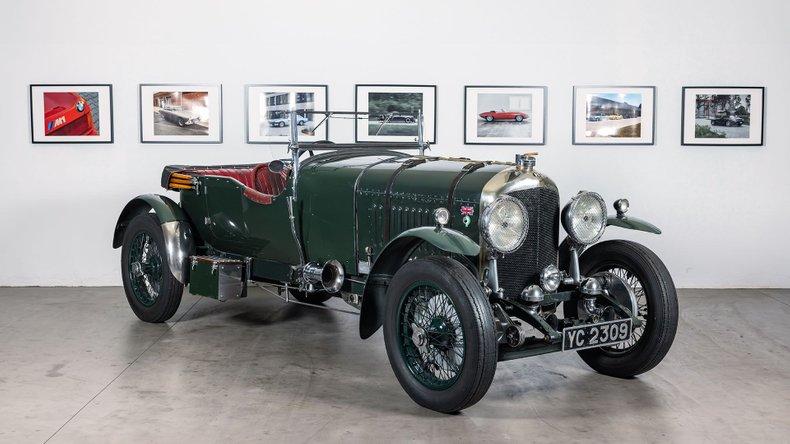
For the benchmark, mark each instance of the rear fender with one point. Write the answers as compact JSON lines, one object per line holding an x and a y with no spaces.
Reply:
{"x":392,"y":257}
{"x":176,"y":228}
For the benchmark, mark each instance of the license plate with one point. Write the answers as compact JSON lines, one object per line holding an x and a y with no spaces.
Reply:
{"x":596,"y":335}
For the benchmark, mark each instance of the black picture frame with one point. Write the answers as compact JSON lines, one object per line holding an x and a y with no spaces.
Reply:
{"x":545,"y":114}
{"x":435,"y":108}
{"x":43,"y":85}
{"x":653,"y":111}
{"x":683,"y":116}
{"x":186,"y":142}
{"x":290,"y":85}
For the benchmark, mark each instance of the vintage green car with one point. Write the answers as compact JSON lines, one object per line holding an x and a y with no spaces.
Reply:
{"x":459,"y":260}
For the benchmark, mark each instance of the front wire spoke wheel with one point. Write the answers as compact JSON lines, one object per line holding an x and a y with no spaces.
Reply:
{"x":431,"y":336}
{"x":439,"y":333}
{"x":656,"y":303}
{"x":642,"y":309}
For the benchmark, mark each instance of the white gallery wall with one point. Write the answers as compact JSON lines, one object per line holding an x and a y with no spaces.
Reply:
{"x":725,"y":211}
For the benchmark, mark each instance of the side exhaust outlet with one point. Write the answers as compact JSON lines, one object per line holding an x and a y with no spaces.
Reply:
{"x":330,"y":275}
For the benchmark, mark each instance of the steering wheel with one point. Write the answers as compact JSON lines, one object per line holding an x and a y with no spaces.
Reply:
{"x":276,"y":166}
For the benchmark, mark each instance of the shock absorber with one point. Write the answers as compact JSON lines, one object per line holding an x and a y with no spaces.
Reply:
{"x":516,"y":333}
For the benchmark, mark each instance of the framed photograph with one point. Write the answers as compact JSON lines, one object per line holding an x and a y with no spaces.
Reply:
{"x":180,"y":113}
{"x":71,"y":113}
{"x":505,"y":115}
{"x":393,"y":112}
{"x":722,"y":115}
{"x":267,"y":107}
{"x":614,"y":115}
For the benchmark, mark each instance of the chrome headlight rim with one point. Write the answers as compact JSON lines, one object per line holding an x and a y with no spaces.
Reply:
{"x":568,"y":213}
{"x":550,"y":278}
{"x":485,"y":219}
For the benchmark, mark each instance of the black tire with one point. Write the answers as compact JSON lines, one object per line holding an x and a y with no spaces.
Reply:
{"x":519,"y":118}
{"x":662,"y":308}
{"x":163,"y":306}
{"x":281,"y":124}
{"x":181,"y":122}
{"x":314,"y":298}
{"x":474,"y":318}
{"x":489,"y":119}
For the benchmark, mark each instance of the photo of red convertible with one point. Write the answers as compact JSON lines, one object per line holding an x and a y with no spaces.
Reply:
{"x":492,"y":115}
{"x":68,"y":114}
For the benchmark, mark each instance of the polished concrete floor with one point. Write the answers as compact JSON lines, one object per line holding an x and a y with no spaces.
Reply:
{"x":77,"y":366}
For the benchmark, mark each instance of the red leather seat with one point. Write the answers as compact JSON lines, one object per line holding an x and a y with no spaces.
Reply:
{"x":244,"y":175}
{"x":268,"y":182}
{"x":260,"y":184}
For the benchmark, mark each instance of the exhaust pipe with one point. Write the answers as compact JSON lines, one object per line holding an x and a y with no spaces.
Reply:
{"x":330,"y":275}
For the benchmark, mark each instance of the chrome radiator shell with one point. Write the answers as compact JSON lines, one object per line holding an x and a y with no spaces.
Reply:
{"x":540,"y":196}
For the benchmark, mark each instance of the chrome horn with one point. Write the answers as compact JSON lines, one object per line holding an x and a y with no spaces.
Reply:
{"x":330,"y":275}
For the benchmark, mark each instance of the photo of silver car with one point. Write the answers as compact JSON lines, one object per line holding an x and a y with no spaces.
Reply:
{"x":283,"y":121}
{"x":179,"y":115}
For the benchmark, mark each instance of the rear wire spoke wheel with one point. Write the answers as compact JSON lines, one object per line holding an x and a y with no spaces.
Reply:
{"x":152,"y":291}
{"x":657,"y":307}
{"x":145,"y":268}
{"x":439,"y":333}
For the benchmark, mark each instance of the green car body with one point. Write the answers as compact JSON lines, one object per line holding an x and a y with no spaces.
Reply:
{"x":341,"y":215}
{"x":354,"y":222}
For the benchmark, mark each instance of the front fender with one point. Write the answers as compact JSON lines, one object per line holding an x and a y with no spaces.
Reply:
{"x":632,"y":223}
{"x":392,"y":257}
{"x":445,"y":239}
{"x":627,"y":222}
{"x":176,"y":229}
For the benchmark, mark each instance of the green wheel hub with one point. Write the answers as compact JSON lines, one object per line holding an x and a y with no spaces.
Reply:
{"x":430,"y":336}
{"x":145,"y":268}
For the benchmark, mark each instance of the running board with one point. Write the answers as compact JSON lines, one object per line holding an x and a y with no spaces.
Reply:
{"x":284,"y":289}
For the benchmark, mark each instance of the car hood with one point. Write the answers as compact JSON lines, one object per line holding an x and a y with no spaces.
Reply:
{"x":387,"y":192}
{"x":399,"y":175}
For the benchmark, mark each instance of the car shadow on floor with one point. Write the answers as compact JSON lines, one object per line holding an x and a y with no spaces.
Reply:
{"x":315,"y":356}
{"x":258,"y":311}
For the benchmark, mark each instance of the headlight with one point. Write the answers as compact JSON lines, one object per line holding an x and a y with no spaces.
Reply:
{"x":505,"y":224}
{"x":584,"y":218}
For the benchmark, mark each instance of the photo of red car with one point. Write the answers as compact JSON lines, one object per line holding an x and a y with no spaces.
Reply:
{"x":501,"y":115}
{"x":69,"y":114}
